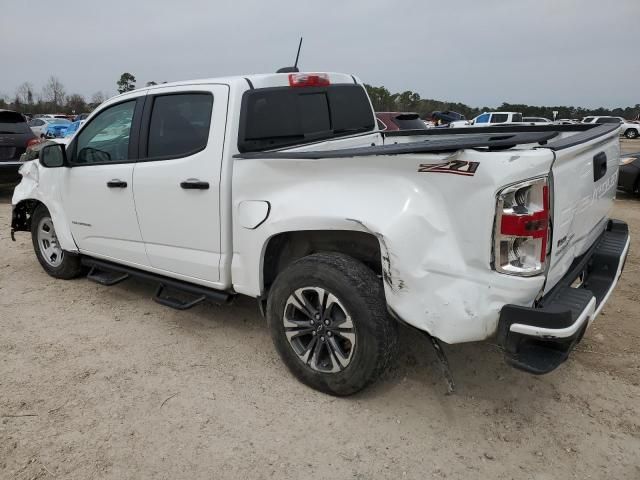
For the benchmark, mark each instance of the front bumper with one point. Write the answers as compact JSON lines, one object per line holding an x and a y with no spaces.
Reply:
{"x":538,"y":339}
{"x":9,"y":171}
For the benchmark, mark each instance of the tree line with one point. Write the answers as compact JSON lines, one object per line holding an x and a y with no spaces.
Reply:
{"x":54,"y":99}
{"x":385,"y":101}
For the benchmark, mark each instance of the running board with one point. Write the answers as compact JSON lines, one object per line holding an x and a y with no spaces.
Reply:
{"x":108,"y":273}
{"x":106,"y":278}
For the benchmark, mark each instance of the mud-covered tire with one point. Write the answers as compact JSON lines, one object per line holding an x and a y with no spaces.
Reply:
{"x":68,"y":265}
{"x":358,"y":295}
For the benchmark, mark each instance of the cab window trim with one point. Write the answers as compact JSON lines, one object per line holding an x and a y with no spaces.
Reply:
{"x":134,"y":134}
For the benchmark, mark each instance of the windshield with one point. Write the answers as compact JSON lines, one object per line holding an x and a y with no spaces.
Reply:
{"x":59,"y":121}
{"x":285,"y":116}
{"x":13,"y":122}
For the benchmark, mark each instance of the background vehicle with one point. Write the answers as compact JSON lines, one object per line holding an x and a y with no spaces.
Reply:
{"x":487,"y":118}
{"x":39,"y":126}
{"x":392,"y":121}
{"x":81,"y":116}
{"x":15,"y":136}
{"x":629,"y":176}
{"x":284,"y":189}
{"x":57,"y":128}
{"x":73,"y":128}
{"x":629,"y":129}
{"x":448,"y":117}
{"x":536,"y":120}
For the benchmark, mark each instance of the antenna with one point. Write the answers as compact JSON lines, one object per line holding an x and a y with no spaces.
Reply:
{"x":295,"y":65}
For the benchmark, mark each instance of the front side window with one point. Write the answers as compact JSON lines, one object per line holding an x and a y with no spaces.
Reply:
{"x":484,"y":118}
{"x":106,"y":138}
{"x":499,"y":117}
{"x":608,"y":120}
{"x":179,"y":125}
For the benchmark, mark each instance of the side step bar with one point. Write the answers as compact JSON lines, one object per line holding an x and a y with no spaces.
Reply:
{"x":108,"y":273}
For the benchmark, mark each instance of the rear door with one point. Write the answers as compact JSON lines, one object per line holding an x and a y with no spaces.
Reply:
{"x":584,"y":185}
{"x":97,"y":193}
{"x":177,"y":180}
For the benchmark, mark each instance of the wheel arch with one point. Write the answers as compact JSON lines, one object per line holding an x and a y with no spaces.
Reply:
{"x":22,"y":213}
{"x":286,"y":247}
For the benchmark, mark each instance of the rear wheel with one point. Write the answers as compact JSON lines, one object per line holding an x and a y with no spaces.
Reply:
{"x":55,"y":261}
{"x":631,"y":133}
{"x":328,"y":320}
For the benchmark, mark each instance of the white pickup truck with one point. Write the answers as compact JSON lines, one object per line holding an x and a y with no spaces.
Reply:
{"x":282,"y":188}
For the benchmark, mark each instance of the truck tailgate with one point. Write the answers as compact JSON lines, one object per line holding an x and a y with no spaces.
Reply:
{"x":584,"y":175}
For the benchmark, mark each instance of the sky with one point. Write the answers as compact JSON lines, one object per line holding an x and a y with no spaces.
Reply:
{"x":479,"y":52}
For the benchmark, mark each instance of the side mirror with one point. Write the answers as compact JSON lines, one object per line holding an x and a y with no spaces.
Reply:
{"x":53,"y":156}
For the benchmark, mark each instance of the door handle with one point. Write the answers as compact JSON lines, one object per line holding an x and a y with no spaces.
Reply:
{"x":115,"y":183}
{"x":194,"y":184}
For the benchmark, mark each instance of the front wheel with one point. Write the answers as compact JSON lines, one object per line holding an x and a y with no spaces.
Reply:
{"x":55,"y":261}
{"x":631,"y":133}
{"x":329,"y":322}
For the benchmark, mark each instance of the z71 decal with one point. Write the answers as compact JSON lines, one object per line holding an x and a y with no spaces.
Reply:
{"x":456,"y":167}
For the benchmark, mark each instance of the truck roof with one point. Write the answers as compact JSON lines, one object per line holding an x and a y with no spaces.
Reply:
{"x":258,"y":80}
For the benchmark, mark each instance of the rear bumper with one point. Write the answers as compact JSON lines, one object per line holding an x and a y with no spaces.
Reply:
{"x":538,"y":339}
{"x":628,"y":176}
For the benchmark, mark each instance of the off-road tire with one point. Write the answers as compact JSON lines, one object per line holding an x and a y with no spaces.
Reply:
{"x":361,"y":292}
{"x":70,"y":267}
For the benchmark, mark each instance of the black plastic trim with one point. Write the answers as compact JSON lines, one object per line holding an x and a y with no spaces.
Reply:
{"x":428,"y":146}
{"x":562,"y":305}
{"x":251,"y":87}
{"x":600,"y":130}
{"x":218,"y":296}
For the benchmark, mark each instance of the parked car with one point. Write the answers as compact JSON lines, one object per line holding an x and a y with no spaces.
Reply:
{"x":391,"y":121}
{"x":629,"y":175}
{"x":537,"y":120}
{"x":39,"y":126}
{"x":448,"y":118}
{"x":57,"y":128}
{"x":15,"y":137}
{"x":488,"y":118}
{"x":82,"y":116}
{"x":629,"y":129}
{"x":285,"y":190}
{"x":73,"y":128}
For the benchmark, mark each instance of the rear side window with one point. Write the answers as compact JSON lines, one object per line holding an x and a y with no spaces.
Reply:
{"x":608,"y":120}
{"x":284,"y":116}
{"x":517,"y":117}
{"x":179,"y":125}
{"x":13,"y":122}
{"x":499,"y":117}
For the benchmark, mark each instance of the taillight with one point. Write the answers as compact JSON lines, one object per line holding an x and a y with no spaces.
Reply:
{"x":522,"y":228}
{"x":308,"y":80}
{"x":32,"y":142}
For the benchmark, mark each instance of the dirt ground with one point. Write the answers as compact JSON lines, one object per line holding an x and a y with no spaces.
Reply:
{"x":100,"y":382}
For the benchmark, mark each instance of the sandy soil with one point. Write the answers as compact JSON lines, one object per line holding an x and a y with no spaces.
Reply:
{"x":100,"y":382}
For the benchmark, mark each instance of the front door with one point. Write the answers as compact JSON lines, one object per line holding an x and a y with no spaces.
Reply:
{"x":98,"y":190}
{"x":177,"y":180}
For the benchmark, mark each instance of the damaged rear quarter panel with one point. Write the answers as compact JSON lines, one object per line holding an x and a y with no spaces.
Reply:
{"x":434,"y":229}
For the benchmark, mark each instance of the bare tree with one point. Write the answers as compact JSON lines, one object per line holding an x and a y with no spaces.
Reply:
{"x":98,"y":97}
{"x":25,"y":93}
{"x":76,"y":104}
{"x":53,"y":91}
